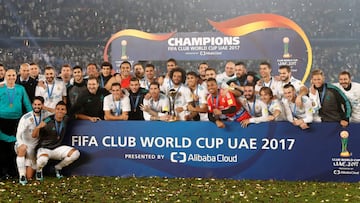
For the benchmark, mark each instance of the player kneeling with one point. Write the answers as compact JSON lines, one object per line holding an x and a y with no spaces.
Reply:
{"x":51,"y":133}
{"x":223,"y":106}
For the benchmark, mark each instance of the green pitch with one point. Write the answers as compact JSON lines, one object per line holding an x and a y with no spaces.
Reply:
{"x":115,"y":189}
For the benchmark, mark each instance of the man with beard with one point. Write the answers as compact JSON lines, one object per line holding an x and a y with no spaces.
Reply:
{"x":242,"y":77}
{"x":25,"y":144}
{"x":334,"y":105}
{"x":167,"y":84}
{"x":13,"y":98}
{"x":157,"y":106}
{"x":256,"y":107}
{"x":222,"y":105}
{"x":287,"y":78}
{"x":51,"y":133}
{"x":139,"y":71}
{"x":89,"y":105}
{"x":299,"y":115}
{"x":240,"y":80}
{"x":180,"y":93}
{"x":77,"y":88}
{"x":149,"y":76}
{"x":201,"y":70}
{"x":352,"y":91}
{"x":51,"y":90}
{"x":136,"y":95}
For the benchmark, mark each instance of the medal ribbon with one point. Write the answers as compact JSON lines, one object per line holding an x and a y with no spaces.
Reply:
{"x":216,"y":102}
{"x":11,"y":97}
{"x":59,"y":127}
{"x":252,"y":110}
{"x":48,"y":89}
{"x":117,"y":107}
{"x":37,"y":122}
{"x":101,"y":81}
{"x":136,"y":101}
{"x":293,"y":112}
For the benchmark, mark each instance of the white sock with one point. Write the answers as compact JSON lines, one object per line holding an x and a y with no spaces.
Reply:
{"x":20,"y":161}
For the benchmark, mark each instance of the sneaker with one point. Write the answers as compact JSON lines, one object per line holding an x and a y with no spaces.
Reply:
{"x":39,"y":176}
{"x":58,"y":174}
{"x":22,"y":180}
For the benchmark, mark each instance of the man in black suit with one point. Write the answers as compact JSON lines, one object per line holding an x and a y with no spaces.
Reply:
{"x":26,"y":81}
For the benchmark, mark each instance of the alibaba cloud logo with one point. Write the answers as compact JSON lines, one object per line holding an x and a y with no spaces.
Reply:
{"x":178,"y":157}
{"x":336,"y":172}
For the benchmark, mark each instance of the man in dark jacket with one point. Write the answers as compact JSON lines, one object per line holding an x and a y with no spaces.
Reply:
{"x":335,"y":107}
{"x":89,"y":105}
{"x":26,"y":81}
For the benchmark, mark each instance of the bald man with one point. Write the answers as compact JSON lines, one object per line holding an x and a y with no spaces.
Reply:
{"x":12,"y":99}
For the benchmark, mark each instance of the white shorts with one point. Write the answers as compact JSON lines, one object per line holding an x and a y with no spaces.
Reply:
{"x":30,"y":159}
{"x":58,"y":153}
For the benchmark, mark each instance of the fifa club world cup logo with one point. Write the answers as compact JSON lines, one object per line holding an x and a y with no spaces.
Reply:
{"x":344,"y":142}
{"x":123,"y":50}
{"x":286,"y":41}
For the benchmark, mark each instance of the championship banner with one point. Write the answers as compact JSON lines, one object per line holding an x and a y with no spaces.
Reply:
{"x":272,"y":150}
{"x":256,"y":36}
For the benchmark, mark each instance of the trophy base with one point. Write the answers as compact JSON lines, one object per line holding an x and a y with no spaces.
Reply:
{"x":345,"y":154}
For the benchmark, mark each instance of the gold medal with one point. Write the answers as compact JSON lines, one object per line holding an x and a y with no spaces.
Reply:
{"x":11,"y":105}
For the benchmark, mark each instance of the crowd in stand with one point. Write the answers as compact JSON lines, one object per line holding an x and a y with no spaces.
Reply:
{"x":95,"y":19}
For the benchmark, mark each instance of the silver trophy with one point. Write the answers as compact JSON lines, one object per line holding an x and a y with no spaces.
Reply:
{"x":172,"y":97}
